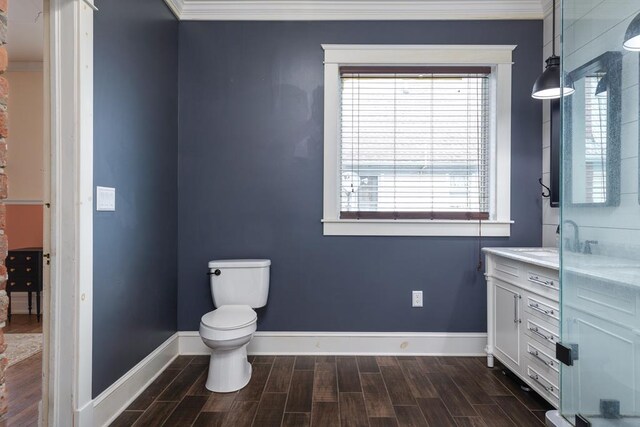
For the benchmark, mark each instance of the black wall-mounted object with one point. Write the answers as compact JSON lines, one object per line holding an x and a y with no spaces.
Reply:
{"x":554,"y":169}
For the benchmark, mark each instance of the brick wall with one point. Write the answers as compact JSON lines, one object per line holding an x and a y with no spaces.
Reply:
{"x":4,"y":300}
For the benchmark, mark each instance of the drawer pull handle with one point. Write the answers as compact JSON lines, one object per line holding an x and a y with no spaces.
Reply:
{"x":536,"y":307}
{"x":536,"y":279}
{"x":12,"y":258}
{"x":12,"y":269}
{"x":537,"y":356}
{"x":28,"y":269}
{"x":540,"y":334}
{"x":548,"y":283}
{"x":28,"y":283}
{"x":549,"y":389}
{"x":28,"y":258}
{"x":13,"y":283}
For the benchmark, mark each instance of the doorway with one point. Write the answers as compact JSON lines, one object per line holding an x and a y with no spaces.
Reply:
{"x":26,"y":212}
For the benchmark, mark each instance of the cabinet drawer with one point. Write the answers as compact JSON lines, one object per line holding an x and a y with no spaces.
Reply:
{"x":544,"y":359}
{"x":22,"y":284}
{"x":542,"y":332}
{"x":22,"y":269}
{"x":507,"y":269}
{"x":543,"y":308}
{"x":543,"y":385}
{"x":539,"y":280}
{"x":22,"y":258}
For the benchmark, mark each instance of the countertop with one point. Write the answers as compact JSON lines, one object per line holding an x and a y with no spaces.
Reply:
{"x":609,"y":269}
{"x":543,"y":257}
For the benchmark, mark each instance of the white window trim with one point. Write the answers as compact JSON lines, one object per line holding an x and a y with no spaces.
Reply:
{"x":499,"y":57}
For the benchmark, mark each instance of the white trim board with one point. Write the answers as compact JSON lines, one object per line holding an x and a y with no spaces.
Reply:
{"x":20,"y":303}
{"x":351,"y":343}
{"x":111,"y":402}
{"x":342,"y":10}
{"x":69,"y":303}
{"x":23,"y":202}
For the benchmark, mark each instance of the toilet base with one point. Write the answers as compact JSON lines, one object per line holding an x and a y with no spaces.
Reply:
{"x":229,"y":370}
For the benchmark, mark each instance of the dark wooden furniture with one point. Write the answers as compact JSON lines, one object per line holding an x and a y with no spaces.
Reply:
{"x":24,"y":267}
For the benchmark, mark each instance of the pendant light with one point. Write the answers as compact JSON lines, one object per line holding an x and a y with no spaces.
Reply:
{"x":601,"y":88}
{"x":548,"y":85}
{"x":632,"y":35}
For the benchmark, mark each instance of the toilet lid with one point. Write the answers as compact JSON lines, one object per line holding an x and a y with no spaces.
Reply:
{"x":229,"y":317}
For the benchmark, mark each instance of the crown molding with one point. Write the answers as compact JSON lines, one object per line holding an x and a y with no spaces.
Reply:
{"x":175,"y":6}
{"x":343,"y":10}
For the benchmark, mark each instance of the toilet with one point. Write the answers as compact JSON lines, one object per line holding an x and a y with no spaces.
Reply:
{"x":237,"y":287}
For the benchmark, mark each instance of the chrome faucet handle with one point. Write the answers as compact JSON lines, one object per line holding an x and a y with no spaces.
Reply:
{"x":587,"y":246}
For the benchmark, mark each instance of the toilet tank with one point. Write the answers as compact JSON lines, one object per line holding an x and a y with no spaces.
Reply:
{"x":240,"y":281}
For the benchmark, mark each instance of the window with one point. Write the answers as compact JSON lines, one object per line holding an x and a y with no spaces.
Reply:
{"x":417,"y":140}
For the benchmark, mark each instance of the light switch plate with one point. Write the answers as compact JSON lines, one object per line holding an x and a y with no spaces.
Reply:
{"x":105,"y":199}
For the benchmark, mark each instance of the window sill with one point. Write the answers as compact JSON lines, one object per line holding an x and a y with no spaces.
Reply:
{"x":367,"y":227}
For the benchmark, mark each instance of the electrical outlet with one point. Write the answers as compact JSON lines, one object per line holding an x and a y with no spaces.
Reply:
{"x":416,"y":299}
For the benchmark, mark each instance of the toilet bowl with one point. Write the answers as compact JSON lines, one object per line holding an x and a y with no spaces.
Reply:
{"x":237,"y":287}
{"x":227,"y":331}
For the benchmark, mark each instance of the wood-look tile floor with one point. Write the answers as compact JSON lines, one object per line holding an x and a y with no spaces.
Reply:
{"x":340,"y":391}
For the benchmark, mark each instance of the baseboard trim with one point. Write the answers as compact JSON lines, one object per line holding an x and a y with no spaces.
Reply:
{"x":351,"y":343}
{"x":20,"y":302}
{"x":111,"y":402}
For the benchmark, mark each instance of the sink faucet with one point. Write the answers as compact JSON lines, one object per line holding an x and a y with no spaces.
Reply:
{"x":587,"y":246}
{"x":575,"y":245}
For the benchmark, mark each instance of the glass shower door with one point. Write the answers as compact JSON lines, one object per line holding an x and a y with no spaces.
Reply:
{"x":600,"y":216}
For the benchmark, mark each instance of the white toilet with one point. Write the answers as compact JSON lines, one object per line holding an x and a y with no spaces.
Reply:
{"x":237,"y":287}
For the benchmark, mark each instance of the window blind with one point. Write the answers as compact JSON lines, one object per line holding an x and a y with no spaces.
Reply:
{"x":595,"y":141}
{"x":414,"y":143}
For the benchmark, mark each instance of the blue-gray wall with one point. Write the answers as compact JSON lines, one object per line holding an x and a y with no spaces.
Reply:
{"x":135,"y":150}
{"x":250,"y":180}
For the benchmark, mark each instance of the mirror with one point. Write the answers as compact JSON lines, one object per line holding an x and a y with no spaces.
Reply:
{"x":591,"y":133}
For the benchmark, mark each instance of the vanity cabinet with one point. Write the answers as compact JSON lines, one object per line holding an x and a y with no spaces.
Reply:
{"x":523,"y":318}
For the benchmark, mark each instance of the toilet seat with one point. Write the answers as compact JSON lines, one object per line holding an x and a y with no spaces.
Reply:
{"x":229,"y":317}
{"x":228,"y":322}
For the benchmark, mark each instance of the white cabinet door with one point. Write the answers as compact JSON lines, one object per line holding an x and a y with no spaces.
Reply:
{"x":606,"y":367}
{"x":507,"y":300}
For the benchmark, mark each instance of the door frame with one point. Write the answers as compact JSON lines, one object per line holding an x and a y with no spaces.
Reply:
{"x":67,"y":361}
